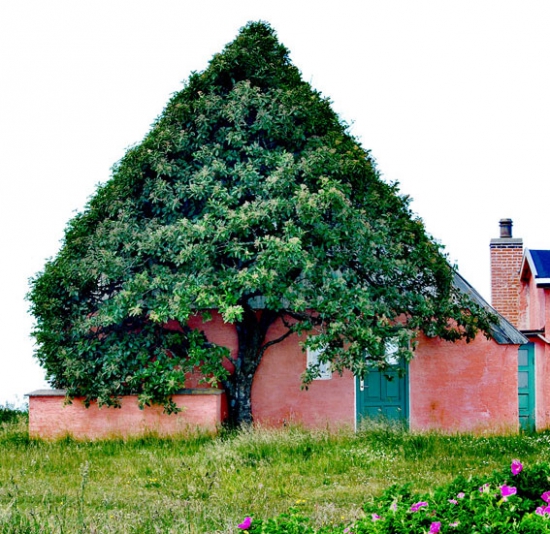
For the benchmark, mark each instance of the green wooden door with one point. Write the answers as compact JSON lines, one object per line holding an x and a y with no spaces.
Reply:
{"x":383,"y":395}
{"x":526,"y":386}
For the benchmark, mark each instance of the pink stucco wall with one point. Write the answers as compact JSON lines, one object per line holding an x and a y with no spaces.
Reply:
{"x":464,"y":387}
{"x":277,"y":395}
{"x":542,"y":383}
{"x":278,"y":398}
{"x":50,"y":417}
{"x":533,"y":305}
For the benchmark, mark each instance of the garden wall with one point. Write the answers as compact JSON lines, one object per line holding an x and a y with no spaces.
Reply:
{"x":50,"y":417}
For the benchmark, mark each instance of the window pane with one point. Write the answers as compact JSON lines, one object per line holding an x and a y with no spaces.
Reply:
{"x":522,"y":357}
{"x":523,"y":379}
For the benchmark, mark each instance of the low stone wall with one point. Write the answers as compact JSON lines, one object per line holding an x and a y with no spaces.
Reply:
{"x":50,"y":417}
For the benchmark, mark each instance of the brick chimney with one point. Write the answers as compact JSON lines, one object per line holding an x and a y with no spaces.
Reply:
{"x":506,"y":257}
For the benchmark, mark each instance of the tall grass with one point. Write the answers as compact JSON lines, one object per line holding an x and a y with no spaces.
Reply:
{"x":203,"y":483}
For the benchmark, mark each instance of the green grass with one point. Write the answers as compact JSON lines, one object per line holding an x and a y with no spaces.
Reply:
{"x":202,"y":483}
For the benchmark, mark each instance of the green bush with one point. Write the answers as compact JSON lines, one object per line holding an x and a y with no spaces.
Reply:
{"x":503,"y":502}
{"x":10,"y":414}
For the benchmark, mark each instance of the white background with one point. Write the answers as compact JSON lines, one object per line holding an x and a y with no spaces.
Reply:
{"x":452,"y":97}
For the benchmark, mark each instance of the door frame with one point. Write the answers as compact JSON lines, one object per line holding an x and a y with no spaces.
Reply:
{"x":529,"y":390}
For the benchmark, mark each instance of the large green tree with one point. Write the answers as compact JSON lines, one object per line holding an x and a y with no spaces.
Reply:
{"x":250,"y":197}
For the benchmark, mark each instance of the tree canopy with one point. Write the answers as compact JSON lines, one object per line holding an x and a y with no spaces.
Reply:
{"x":249,"y":196}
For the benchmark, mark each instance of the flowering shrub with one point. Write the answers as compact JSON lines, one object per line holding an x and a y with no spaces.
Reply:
{"x":511,"y":500}
{"x":289,"y":523}
{"x":245,"y":525}
{"x":516,"y":467}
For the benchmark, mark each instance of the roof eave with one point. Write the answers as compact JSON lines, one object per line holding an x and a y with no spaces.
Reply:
{"x":527,"y":264}
{"x":504,"y":332}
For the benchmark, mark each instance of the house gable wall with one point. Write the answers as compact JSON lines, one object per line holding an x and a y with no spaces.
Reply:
{"x":542,"y":383}
{"x":533,"y":303}
{"x":535,"y":320}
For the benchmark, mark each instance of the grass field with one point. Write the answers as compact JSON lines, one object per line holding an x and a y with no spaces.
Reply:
{"x":204,"y":483}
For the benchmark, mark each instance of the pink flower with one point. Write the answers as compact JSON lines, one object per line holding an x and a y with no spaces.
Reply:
{"x":453,"y":501}
{"x":506,"y":491}
{"x":460,"y":495}
{"x":543,"y":510}
{"x":375,"y":517}
{"x":484,"y":488}
{"x":546,"y":496}
{"x":435,"y":527}
{"x":393,"y":507}
{"x":245,"y":525}
{"x":416,"y":506}
{"x":516,"y":467}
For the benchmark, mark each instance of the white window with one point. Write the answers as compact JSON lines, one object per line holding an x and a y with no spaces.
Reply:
{"x":325,"y":372}
{"x":391,"y":357}
{"x":391,"y":352}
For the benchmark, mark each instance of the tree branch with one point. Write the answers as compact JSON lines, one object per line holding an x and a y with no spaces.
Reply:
{"x":274,"y":342}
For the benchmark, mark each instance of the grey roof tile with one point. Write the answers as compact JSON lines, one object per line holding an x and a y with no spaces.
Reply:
{"x":503,"y":332}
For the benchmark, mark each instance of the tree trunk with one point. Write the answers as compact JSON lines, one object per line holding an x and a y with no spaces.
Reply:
{"x":239,"y":400}
{"x":251,"y":333}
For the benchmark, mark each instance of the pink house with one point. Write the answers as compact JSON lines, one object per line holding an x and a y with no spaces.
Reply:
{"x":489,"y":385}
{"x":447,"y":386}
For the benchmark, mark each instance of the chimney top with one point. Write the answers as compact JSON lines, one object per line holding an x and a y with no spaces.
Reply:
{"x":505,"y":228}
{"x":506,"y":240}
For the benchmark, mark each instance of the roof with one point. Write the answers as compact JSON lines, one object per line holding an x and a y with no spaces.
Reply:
{"x":503,"y":332}
{"x":538,"y":262}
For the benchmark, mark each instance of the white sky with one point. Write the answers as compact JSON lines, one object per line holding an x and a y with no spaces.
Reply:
{"x":452,"y":97}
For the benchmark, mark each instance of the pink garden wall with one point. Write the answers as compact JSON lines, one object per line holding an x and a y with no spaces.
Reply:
{"x":50,"y":417}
